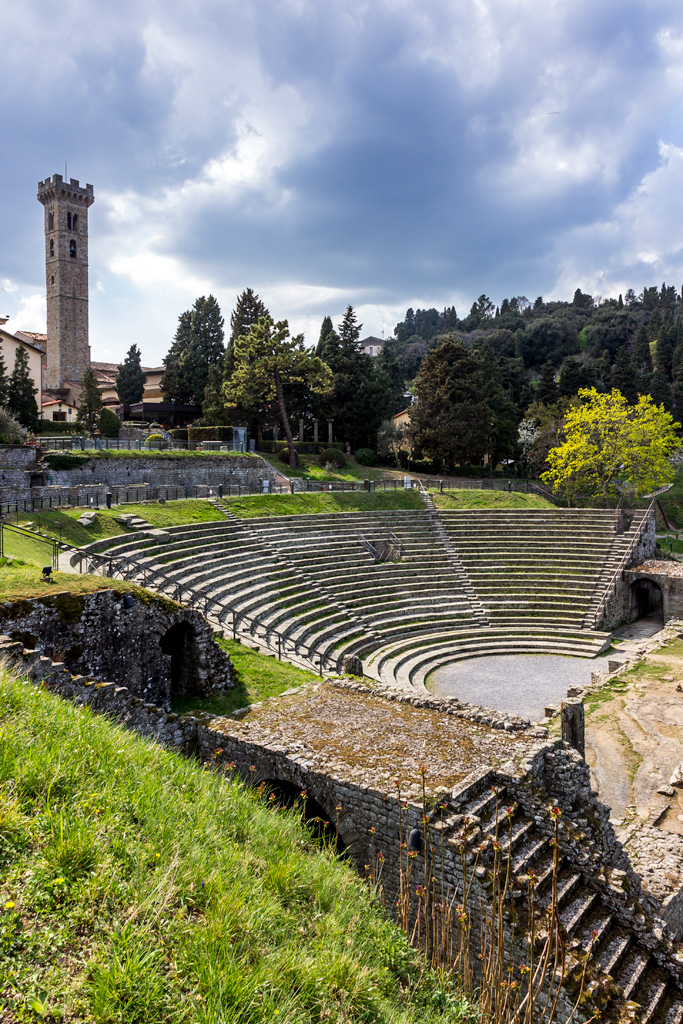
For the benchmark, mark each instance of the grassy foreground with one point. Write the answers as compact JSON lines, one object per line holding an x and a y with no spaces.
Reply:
{"x":136,"y":887}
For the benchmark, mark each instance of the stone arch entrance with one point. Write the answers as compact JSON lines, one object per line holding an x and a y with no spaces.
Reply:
{"x":180,"y":643}
{"x":322,"y":824}
{"x":647,"y":600}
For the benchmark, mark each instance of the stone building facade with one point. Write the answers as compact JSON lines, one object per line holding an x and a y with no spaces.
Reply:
{"x":66,"y":207}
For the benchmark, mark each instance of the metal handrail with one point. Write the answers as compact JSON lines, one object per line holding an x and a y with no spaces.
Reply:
{"x":40,"y":537}
{"x":620,"y":568}
{"x":120,"y":563}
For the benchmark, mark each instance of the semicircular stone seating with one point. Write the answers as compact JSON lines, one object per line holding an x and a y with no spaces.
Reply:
{"x":468,"y":583}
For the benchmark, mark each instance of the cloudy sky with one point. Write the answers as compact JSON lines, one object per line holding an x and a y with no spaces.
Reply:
{"x":383,"y":153}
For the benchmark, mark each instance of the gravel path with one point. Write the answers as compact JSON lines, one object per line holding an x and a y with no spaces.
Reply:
{"x":520,"y":683}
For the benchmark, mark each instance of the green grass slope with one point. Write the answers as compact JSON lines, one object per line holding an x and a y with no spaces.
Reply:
{"x":252,"y":505}
{"x":489,"y":499}
{"x":137,"y":888}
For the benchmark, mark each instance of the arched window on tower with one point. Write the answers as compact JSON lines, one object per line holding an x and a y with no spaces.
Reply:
{"x":52,"y":247}
{"x":50,"y":222}
{"x":68,"y":222}
{"x":75,"y":222}
{"x":72,"y":248}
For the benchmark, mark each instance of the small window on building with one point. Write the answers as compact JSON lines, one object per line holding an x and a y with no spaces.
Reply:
{"x":75,"y":222}
{"x":372,"y":351}
{"x":50,"y":222}
{"x":68,"y":221}
{"x":52,"y":279}
{"x":52,"y":247}
{"x":72,"y":248}
{"x":59,"y":417}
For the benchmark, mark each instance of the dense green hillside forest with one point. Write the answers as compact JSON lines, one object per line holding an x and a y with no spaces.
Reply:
{"x":506,"y":371}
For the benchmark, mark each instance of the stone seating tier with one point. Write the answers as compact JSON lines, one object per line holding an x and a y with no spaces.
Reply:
{"x":534,"y":574}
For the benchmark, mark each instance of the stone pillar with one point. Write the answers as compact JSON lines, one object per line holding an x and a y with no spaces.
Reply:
{"x":301,"y":429}
{"x":330,"y":439}
{"x":574,"y":725}
{"x":315,"y":431}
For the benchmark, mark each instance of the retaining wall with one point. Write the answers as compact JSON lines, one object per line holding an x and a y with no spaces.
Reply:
{"x":156,"y":648}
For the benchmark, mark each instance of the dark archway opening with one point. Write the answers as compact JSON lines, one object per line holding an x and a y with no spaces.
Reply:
{"x":647,"y":601}
{"x":323,"y":826}
{"x":180,"y":642}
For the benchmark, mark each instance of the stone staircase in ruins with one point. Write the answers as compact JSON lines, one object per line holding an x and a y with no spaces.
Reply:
{"x":633,"y":975}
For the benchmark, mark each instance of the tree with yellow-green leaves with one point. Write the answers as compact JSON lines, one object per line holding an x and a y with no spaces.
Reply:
{"x":610,"y":445}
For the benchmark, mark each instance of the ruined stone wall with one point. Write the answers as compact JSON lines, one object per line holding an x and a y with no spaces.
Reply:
{"x":156,"y":648}
{"x":18,"y":457}
{"x":186,"y":471}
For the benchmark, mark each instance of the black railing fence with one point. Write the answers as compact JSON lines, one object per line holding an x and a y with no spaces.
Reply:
{"x":241,"y":625}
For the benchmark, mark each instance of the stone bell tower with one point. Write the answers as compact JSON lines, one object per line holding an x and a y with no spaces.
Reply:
{"x":66,"y":266}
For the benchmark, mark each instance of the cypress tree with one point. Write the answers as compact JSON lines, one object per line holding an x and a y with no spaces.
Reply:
{"x":328,"y":343}
{"x":546,"y":389}
{"x":172,"y":385}
{"x":130,"y":378}
{"x":571,"y":378}
{"x":660,"y":389}
{"x":90,"y":402}
{"x":623,"y":377}
{"x":21,"y":394}
{"x":4,"y":382}
{"x":665,"y":344}
{"x":642,"y":358}
{"x":678,"y":392}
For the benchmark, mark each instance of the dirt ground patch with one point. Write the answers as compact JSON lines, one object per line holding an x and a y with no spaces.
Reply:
{"x":634,"y":740}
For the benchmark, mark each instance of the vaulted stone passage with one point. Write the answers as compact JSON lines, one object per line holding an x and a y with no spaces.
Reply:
{"x":322,"y":823}
{"x":646,"y":600}
{"x":180,"y":643}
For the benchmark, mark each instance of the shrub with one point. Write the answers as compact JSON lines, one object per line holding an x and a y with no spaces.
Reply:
{"x":179,"y":434}
{"x":284,"y":456}
{"x":210,"y":434}
{"x":59,"y":427}
{"x":156,"y":441}
{"x":10,"y":429}
{"x":110,"y":424}
{"x":366,"y":457}
{"x":332,"y":457}
{"x":65,"y":460}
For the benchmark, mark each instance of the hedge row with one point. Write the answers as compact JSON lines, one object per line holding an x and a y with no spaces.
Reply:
{"x":305,"y":447}
{"x":50,"y":427}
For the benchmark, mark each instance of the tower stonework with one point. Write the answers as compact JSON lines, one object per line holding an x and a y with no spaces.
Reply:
{"x":66,"y":207}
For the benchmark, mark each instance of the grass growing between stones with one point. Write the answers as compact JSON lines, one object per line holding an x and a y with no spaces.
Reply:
{"x":136,"y":887}
{"x":171,"y":513}
{"x":259,"y":677}
{"x":489,"y":499}
{"x":251,"y":506}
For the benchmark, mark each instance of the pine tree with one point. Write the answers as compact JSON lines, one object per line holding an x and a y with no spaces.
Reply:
{"x":198,"y":345}
{"x":130,"y":378}
{"x":546,"y":389}
{"x":90,"y":402}
{"x":248,"y":311}
{"x":4,"y":382}
{"x":678,"y":392}
{"x":21,"y":394}
{"x":450,"y":421}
